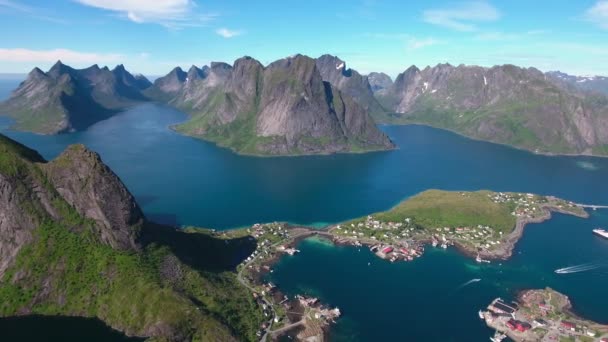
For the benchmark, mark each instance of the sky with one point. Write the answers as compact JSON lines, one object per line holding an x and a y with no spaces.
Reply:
{"x":154,"y":36}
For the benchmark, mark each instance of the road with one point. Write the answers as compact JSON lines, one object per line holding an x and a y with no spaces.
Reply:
{"x":274,"y":314}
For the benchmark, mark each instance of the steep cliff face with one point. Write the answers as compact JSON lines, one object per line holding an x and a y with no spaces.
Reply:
{"x":349,"y":82}
{"x":66,"y":99}
{"x":89,"y":186}
{"x":74,"y":242}
{"x":22,"y":195}
{"x":284,"y":108}
{"x":505,"y":104}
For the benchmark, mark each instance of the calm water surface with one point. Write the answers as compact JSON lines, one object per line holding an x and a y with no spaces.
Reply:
{"x":186,"y":181}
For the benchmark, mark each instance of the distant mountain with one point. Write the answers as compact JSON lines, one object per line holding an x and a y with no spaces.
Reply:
{"x":74,"y":242}
{"x":379,"y":81}
{"x":283,"y":109}
{"x":66,"y":99}
{"x":504,"y":104}
{"x":597,"y":84}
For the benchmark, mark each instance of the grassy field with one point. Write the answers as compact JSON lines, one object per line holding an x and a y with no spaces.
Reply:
{"x":436,"y":209}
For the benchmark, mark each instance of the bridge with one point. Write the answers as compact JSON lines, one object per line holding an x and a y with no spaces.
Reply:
{"x":592,"y":206}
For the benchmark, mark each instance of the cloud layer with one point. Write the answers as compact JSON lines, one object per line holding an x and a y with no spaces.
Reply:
{"x":598,"y":14}
{"x":462,"y":17}
{"x":169,"y":13}
{"x":50,"y":56}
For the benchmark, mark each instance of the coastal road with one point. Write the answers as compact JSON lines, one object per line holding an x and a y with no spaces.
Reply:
{"x":242,"y":281}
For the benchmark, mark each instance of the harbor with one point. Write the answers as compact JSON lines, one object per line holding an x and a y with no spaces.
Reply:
{"x":540,"y":315}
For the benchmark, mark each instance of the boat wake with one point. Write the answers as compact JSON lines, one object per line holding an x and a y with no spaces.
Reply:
{"x":578,"y":268}
{"x":468,"y":283}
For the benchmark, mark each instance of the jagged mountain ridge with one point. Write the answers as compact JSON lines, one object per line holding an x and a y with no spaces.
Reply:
{"x":504,"y":104}
{"x":283,"y":108}
{"x":349,"y":82}
{"x":67,"y":99}
{"x":597,"y":84}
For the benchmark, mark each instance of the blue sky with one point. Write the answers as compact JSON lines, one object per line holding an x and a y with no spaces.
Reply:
{"x":151,"y":37}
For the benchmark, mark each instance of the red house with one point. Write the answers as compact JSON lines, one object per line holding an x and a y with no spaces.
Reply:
{"x":523,"y":326}
{"x":569,"y":325}
{"x":511,"y":324}
{"x":387,"y":250}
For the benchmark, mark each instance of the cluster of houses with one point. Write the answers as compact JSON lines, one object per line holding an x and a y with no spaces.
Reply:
{"x":535,"y":320}
{"x":319,"y":311}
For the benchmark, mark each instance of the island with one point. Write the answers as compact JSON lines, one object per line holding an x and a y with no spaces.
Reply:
{"x":541,"y":315}
{"x":482,"y":224}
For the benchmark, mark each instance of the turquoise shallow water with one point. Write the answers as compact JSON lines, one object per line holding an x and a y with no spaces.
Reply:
{"x":182,"y":180}
{"x":427,"y":300}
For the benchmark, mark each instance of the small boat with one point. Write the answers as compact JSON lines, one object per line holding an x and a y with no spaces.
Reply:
{"x":481,"y":316}
{"x":498,"y":337}
{"x":601,"y":232}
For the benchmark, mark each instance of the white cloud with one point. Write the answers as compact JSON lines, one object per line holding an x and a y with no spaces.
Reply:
{"x":226,"y":33}
{"x":33,"y":12}
{"x":50,"y":56}
{"x":462,"y":17}
{"x":415,"y":43}
{"x":169,"y":13}
{"x":598,"y":14}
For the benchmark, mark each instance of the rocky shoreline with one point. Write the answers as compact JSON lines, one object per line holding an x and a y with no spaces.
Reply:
{"x":505,"y":251}
{"x":273,"y":249}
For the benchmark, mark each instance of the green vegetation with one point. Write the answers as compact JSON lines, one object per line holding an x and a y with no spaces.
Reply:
{"x":437,"y":209}
{"x":181,"y":284}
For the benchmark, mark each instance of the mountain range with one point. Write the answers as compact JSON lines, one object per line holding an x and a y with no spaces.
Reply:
{"x":65,"y":99}
{"x":597,"y":84}
{"x":301,"y":105}
{"x":505,"y":104}
{"x":284,"y":108}
{"x":74,"y":242}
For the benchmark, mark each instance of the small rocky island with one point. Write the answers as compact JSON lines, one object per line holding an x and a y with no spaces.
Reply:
{"x":540,"y":315}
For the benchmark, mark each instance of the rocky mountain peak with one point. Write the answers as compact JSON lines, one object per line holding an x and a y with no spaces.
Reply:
{"x":88,"y":185}
{"x":59,"y":69}
{"x":379,"y":81}
{"x":194,"y":73}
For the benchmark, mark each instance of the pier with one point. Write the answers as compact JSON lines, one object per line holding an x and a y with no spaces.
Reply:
{"x":592,"y":206}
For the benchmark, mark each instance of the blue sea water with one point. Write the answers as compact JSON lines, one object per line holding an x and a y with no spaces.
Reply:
{"x":186,"y":181}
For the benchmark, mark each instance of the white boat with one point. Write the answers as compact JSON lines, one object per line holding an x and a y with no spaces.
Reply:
{"x":481,"y":316}
{"x":498,"y":337}
{"x":601,"y":232}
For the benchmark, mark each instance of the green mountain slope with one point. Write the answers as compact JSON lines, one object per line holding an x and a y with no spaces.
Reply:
{"x":284,"y":108}
{"x":63,"y":252}
{"x":504,"y":104}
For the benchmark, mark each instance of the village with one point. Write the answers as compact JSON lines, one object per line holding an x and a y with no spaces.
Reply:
{"x":540,"y":315}
{"x":306,"y":315}
{"x":405,"y":240}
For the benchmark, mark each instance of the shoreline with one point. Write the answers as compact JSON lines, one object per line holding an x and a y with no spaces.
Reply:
{"x":539,"y":315}
{"x":539,"y":153}
{"x":273,"y":248}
